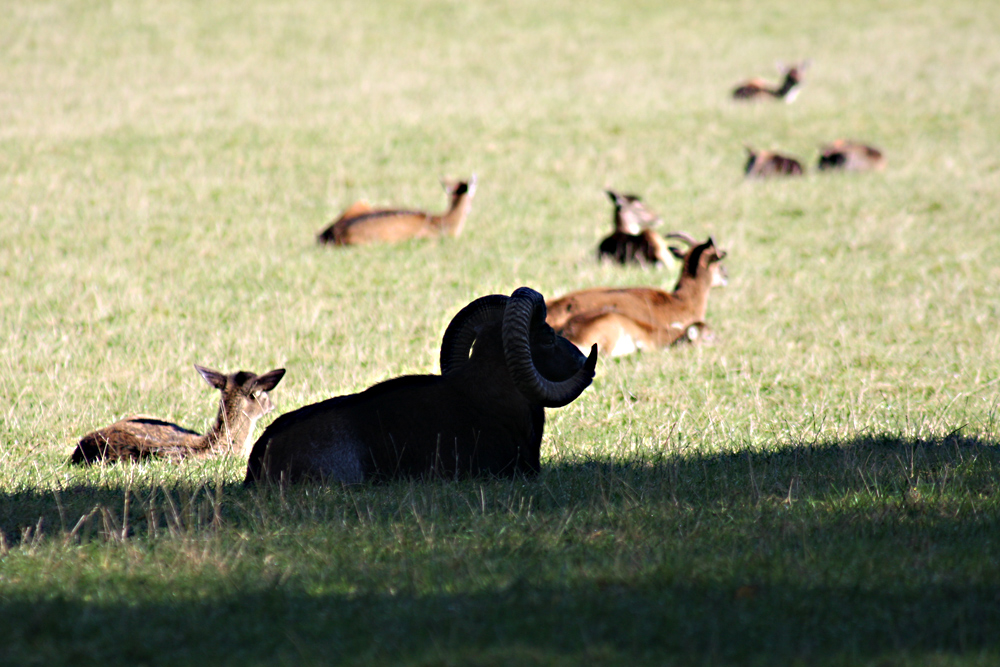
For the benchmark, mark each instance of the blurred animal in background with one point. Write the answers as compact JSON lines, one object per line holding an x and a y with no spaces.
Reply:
{"x":501,"y":365}
{"x":765,"y":164}
{"x":355,"y":210}
{"x":244,"y":400}
{"x":787,"y":90}
{"x":633,"y":240}
{"x":361,"y":224}
{"x":622,"y":320}
{"x":850,"y":156}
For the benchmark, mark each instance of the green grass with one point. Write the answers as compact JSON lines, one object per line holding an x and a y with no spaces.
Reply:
{"x":818,"y":488}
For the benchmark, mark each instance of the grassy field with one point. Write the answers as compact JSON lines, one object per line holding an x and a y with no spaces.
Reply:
{"x":820,"y":487}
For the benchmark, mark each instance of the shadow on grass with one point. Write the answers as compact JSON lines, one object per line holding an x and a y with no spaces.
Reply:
{"x":648,"y":622}
{"x":737,"y":586}
{"x":875,"y":468}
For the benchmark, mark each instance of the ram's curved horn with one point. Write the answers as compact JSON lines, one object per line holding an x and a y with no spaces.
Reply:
{"x":461,"y":332}
{"x":524,"y":305}
{"x":683,"y":236}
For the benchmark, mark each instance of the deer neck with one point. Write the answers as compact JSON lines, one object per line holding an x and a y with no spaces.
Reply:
{"x":453,"y":219}
{"x":229,"y":433}
{"x":691,"y":293}
{"x":786,"y":87}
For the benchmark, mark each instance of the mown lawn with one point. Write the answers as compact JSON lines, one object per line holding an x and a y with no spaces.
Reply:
{"x":819,"y":487}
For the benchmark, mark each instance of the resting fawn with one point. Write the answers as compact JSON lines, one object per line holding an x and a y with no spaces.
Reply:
{"x":244,"y":401}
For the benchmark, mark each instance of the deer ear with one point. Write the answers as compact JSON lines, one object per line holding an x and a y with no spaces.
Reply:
{"x":676,"y":252}
{"x":269,"y":380}
{"x":616,"y":198}
{"x":214,"y":378}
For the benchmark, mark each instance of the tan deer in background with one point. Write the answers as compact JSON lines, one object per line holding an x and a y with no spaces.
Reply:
{"x":787,"y":90}
{"x":361,"y":224}
{"x":850,"y":156}
{"x":765,"y":164}
{"x":622,"y":320}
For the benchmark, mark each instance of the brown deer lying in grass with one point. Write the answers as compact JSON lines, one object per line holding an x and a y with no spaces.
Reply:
{"x":616,"y":334}
{"x":361,"y":224}
{"x":850,"y":156}
{"x":633,"y":240}
{"x":501,"y":366}
{"x":764,"y":164}
{"x":756,"y":89}
{"x":244,"y":401}
{"x":622,"y":320}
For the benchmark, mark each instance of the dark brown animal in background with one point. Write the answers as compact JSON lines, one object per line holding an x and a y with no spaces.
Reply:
{"x":788,"y":90}
{"x":633,"y":241}
{"x":244,"y":400}
{"x":850,"y":156}
{"x":622,"y":320}
{"x":360,"y":224}
{"x":764,"y":164}
{"x":501,"y":366}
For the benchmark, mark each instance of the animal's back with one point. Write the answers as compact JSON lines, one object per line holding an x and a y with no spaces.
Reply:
{"x":635,"y":300}
{"x":355,"y":210}
{"x":136,"y":437}
{"x":615,"y":334}
{"x":311,"y":442}
{"x":766,"y":164}
{"x":382,"y":226}
{"x":752,"y":89}
{"x":364,"y":436}
{"x":459,"y":442}
{"x":850,"y":156}
{"x":560,"y":310}
{"x":623,"y":248}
